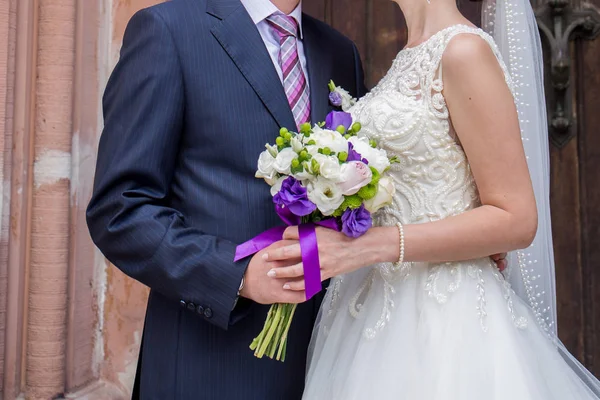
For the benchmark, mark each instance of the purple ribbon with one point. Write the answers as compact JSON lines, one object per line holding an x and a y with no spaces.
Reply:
{"x":308,"y":246}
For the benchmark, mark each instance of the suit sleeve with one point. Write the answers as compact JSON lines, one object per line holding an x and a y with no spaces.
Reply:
{"x":361,"y":88}
{"x":129,"y":216}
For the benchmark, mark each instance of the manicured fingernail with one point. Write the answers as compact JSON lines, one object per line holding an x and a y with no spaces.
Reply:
{"x":272,"y":273}
{"x":286,"y":287}
{"x":265,"y":256}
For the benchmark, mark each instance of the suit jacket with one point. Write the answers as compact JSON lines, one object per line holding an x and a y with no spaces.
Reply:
{"x":188,"y":109}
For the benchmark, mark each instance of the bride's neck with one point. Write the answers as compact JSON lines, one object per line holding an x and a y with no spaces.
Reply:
{"x":424,"y":19}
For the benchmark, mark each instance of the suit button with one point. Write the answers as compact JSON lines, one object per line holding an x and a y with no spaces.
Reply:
{"x":183,"y":304}
{"x":208,"y":312}
{"x":191,"y":307}
{"x":200,"y":310}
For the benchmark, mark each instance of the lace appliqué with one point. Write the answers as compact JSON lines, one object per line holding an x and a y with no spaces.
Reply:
{"x":519,"y":321}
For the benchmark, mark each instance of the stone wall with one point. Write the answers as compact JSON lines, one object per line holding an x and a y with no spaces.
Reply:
{"x":70,"y":324}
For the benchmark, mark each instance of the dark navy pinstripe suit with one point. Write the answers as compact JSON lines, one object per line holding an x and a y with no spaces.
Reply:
{"x":188,"y":109}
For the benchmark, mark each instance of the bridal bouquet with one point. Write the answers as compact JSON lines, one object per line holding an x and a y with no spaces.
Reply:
{"x":323,"y":175}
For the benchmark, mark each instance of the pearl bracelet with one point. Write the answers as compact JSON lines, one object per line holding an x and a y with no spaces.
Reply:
{"x":398,"y":263}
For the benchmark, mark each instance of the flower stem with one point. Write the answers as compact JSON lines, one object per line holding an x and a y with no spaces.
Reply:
{"x":258,"y":340}
{"x":283,"y":342}
{"x":275,"y":320}
{"x":280,"y":328}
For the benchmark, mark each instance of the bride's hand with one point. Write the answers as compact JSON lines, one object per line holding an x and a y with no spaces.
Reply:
{"x":338,"y":254}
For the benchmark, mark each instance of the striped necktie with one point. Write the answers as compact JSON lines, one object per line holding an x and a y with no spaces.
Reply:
{"x":285,"y":28}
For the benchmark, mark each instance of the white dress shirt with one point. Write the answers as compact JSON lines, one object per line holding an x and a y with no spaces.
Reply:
{"x":259,"y":10}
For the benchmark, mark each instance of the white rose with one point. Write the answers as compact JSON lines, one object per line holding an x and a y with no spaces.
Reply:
{"x":354,"y":176}
{"x":377,"y":158}
{"x":325,"y":194}
{"x":266,"y":168}
{"x":276,"y":187}
{"x":332,"y":139}
{"x":283,"y":161}
{"x":384,"y":195}
{"x":329,"y":167}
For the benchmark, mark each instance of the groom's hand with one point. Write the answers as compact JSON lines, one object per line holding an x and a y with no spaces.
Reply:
{"x":500,"y":260}
{"x":264,"y":290}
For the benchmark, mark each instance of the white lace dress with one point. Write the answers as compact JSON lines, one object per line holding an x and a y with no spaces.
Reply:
{"x":447,"y":331}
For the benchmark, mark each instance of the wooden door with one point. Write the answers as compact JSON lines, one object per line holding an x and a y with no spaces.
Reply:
{"x":379,"y":30}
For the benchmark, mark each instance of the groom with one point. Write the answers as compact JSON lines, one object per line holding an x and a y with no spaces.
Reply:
{"x":200,"y":87}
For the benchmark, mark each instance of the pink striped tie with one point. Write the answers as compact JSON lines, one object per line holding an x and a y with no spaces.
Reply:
{"x":294,"y":82}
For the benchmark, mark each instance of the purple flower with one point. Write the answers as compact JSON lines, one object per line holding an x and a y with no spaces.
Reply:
{"x":354,"y":155}
{"x":293,"y":196}
{"x":335,"y":99}
{"x":337,"y":118}
{"x":356,"y":222}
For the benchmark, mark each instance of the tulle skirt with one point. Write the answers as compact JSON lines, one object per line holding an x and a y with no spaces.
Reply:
{"x":452,"y":331}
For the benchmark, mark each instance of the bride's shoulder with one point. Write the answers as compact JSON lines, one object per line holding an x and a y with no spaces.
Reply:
{"x":470,"y":60}
{"x":466,"y":50}
{"x":471,"y":43}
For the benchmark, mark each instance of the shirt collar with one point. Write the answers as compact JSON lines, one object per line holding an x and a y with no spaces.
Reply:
{"x":259,"y":10}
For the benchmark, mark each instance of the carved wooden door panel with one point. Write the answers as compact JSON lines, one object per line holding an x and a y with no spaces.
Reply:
{"x":379,"y":30}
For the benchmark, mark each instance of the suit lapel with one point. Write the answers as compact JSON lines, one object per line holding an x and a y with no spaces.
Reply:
{"x":238,"y":36}
{"x":319,"y":64}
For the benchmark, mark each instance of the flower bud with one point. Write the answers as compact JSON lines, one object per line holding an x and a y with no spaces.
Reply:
{"x":343,"y":156}
{"x":356,"y":127}
{"x":341,"y":129}
{"x":311,"y":142}
{"x":315,"y":166}
{"x":295,"y":163}
{"x":327,"y":151}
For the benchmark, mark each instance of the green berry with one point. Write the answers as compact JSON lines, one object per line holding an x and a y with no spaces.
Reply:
{"x":295,"y":163}
{"x":356,"y":127}
{"x":280,"y":141}
{"x":304,"y":155}
{"x":343,"y":156}
{"x":287,"y":136}
{"x":373,"y":143}
{"x":283,"y":131}
{"x":305,"y":128}
{"x":311,"y":142}
{"x":341,"y":129}
{"x":327,"y":151}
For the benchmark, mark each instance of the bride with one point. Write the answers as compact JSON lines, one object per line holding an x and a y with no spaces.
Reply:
{"x":416,"y":310}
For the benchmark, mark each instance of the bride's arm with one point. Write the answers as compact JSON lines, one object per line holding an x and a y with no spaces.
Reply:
{"x":485,"y":118}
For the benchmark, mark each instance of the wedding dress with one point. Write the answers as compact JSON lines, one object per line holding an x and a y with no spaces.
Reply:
{"x":429,"y":331}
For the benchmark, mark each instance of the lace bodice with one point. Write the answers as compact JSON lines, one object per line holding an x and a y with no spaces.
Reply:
{"x":406,"y":112}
